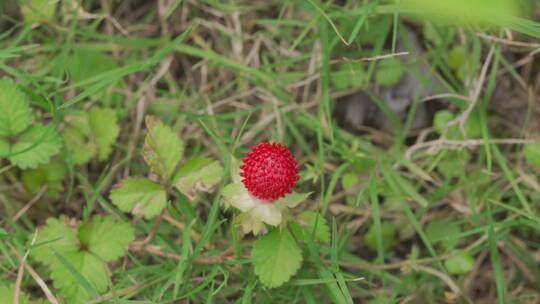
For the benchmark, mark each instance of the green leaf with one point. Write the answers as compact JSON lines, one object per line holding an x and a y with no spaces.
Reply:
{"x":88,"y":134}
{"x":389,"y":72}
{"x":460,"y":264}
{"x":78,"y":275}
{"x":162,"y":148}
{"x":348,"y":76}
{"x":388,"y":231}
{"x":456,"y":57}
{"x":198,"y":174}
{"x":532,"y":153}
{"x":454,"y":163}
{"x":76,"y":256}
{"x":106,"y":238}
{"x":35,"y":11}
{"x":16,"y":115}
{"x":441,"y":119}
{"x":78,"y":138}
{"x":292,"y":200}
{"x":140,"y":196}
{"x":51,"y":174}
{"x":35,"y":146}
{"x":349,"y":180}
{"x":105,"y":130}
{"x":7,"y":294}
{"x":56,"y":234}
{"x":88,"y":63}
{"x":444,"y":232}
{"x":276,"y":257}
{"x":314,"y":223}
{"x":473,"y":125}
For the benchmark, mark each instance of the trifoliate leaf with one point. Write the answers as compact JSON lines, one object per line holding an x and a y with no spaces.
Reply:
{"x":389,"y":72}
{"x":35,"y":146}
{"x":105,"y":130}
{"x":276,"y":257}
{"x":459,"y":264}
{"x":76,"y":256}
{"x":140,"y":196}
{"x":35,"y":11}
{"x":15,"y":113}
{"x":162,"y":148}
{"x":106,"y":237}
{"x":7,"y":294}
{"x":532,"y":153}
{"x":198,"y":174}
{"x":311,"y":223}
{"x":78,"y":139}
{"x":51,"y":174}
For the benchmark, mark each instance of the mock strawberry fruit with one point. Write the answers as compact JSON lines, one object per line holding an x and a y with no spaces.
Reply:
{"x":270,"y":171}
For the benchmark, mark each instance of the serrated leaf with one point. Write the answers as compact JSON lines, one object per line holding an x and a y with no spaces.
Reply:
{"x":51,"y":174}
{"x":35,"y":146}
{"x":532,"y":153}
{"x":292,"y":200}
{"x":198,"y":174}
{"x":106,"y":238}
{"x":105,"y":130}
{"x":68,"y":270}
{"x":77,"y":137}
{"x":312,"y":222}
{"x":15,"y":114}
{"x":459,"y":264}
{"x":162,"y":148}
{"x":56,"y":234}
{"x":88,"y":134}
{"x":7,"y":295}
{"x":140,"y":196}
{"x":35,"y":11}
{"x":276,"y":257}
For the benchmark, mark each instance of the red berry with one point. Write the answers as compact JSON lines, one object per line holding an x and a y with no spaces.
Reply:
{"x":270,"y":171}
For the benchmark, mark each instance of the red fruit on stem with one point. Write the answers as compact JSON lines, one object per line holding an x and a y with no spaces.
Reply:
{"x":270,"y":171}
